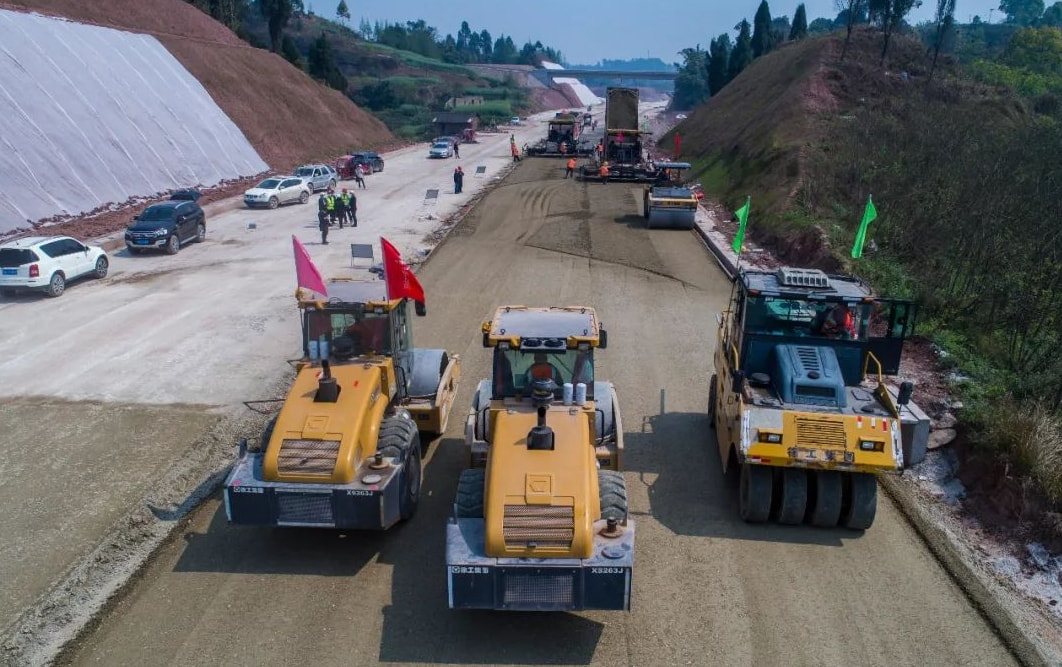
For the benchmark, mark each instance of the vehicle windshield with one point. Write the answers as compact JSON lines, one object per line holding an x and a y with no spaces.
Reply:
{"x":783,"y":316}
{"x":349,"y":333}
{"x":12,"y":257}
{"x":304,"y":171}
{"x":269,"y":184}
{"x":157,"y":214}
{"x":514,"y":370}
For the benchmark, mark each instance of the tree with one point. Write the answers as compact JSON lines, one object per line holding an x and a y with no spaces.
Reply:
{"x":741,"y":55}
{"x":800,"y":24}
{"x":342,"y":12}
{"x":276,"y":13}
{"x":820,"y":26}
{"x":761,"y":32}
{"x":691,"y":83}
{"x":1052,"y":16}
{"x":505,"y":52}
{"x":322,"y":64}
{"x":780,"y":29}
{"x":718,"y":58}
{"x":945,"y":19}
{"x":853,"y":10}
{"x":486,"y":47}
{"x":1037,"y":50}
{"x":1022,"y":12}
{"x":290,"y":51}
{"x":890,"y":15}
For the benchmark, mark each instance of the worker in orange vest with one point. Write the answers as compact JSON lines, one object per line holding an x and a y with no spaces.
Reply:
{"x":569,"y":169}
{"x":603,"y":173}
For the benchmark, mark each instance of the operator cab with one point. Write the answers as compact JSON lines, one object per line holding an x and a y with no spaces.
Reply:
{"x":356,"y":321}
{"x":542,"y":343}
{"x":804,"y":337}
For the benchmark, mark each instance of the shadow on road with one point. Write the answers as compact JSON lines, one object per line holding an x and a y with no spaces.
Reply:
{"x":675,"y":455}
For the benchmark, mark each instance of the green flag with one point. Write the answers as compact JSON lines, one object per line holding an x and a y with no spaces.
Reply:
{"x":743,"y":217}
{"x":861,"y":236}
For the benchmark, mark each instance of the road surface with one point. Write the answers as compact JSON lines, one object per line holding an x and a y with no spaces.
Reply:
{"x":708,"y":589}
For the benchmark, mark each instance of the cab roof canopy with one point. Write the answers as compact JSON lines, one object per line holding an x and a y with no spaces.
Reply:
{"x":343,"y":292}
{"x":800,"y":283}
{"x":548,"y":327}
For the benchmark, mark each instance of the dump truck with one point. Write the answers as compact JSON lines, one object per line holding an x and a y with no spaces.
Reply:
{"x":344,"y":451}
{"x":540,"y":521}
{"x":670,"y":202}
{"x":799,"y":401}
{"x":623,"y":142}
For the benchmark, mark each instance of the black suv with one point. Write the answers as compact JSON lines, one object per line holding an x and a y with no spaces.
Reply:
{"x":370,"y":158}
{"x":166,"y":226}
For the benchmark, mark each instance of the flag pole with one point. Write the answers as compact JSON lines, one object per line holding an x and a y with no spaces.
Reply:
{"x":387,"y":284}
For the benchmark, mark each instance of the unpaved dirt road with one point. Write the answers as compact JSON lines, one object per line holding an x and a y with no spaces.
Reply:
{"x":708,"y":589}
{"x":105,"y":390}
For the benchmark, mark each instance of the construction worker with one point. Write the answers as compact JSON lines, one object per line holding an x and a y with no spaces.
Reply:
{"x":459,"y":179}
{"x":341,"y":208}
{"x":569,"y":169}
{"x":346,"y":203}
{"x":603,"y":173}
{"x":352,"y":209}
{"x":322,"y":218}
{"x":359,"y":173}
{"x":457,"y":151}
{"x":840,"y":323}
{"x":543,"y":370}
{"x":515,"y":151}
{"x":330,"y":206}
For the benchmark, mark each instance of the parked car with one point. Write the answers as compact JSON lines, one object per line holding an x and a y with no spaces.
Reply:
{"x":188,"y":194}
{"x":166,"y":226}
{"x":277,"y":190}
{"x":515,"y":120}
{"x":441,"y":149}
{"x":48,"y":263}
{"x":318,"y":176}
{"x":371,"y":160}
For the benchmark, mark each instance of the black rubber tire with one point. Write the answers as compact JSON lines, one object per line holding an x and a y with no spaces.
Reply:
{"x":102,"y":266}
{"x":200,"y":232}
{"x":399,"y":440}
{"x":755,"y":492}
{"x":860,"y":500}
{"x":612,"y":490}
{"x":470,"y":489}
{"x":304,"y":197}
{"x":173,"y":246}
{"x":792,"y":496}
{"x":824,"y":498}
{"x":713,"y":398}
{"x":274,"y":202}
{"x":56,"y":286}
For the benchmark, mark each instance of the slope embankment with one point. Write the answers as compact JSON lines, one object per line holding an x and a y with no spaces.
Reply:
{"x":91,"y":115}
{"x":284,"y":115}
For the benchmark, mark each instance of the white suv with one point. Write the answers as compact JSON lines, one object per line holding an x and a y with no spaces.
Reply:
{"x":48,"y":263}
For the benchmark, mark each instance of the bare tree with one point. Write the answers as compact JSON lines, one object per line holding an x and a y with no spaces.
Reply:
{"x":852,"y":9}
{"x":890,"y":14}
{"x":945,"y":19}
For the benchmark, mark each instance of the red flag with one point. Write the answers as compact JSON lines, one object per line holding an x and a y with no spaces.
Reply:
{"x":306,"y":274}
{"x":678,"y":143}
{"x":401,"y":281}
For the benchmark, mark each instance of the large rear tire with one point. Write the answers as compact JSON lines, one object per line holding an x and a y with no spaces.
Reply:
{"x":860,"y":500}
{"x":824,"y":503}
{"x":56,"y":286}
{"x":755,"y":493}
{"x":400,"y":441}
{"x":793,"y":491}
{"x":470,"y":489}
{"x":101,"y":268}
{"x":713,"y":398}
{"x":612,"y":490}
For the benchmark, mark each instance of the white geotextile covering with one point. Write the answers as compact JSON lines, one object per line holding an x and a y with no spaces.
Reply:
{"x":91,"y":116}
{"x":586,"y":96}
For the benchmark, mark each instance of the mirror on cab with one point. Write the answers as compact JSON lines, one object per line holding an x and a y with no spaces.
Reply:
{"x":603,"y":341}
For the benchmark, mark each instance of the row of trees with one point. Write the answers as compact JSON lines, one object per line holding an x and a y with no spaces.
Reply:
{"x":468,"y":46}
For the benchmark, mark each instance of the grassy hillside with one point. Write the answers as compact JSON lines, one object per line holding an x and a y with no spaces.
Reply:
{"x":287,"y":116}
{"x":401,"y":88}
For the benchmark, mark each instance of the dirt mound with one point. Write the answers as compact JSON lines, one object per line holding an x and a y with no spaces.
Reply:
{"x":287,"y":116}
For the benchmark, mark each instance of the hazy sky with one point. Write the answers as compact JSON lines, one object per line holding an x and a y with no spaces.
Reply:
{"x":586,"y":32}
